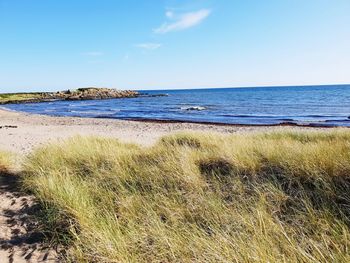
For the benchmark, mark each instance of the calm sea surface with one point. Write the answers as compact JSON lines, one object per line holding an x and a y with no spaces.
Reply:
{"x":315,"y":105}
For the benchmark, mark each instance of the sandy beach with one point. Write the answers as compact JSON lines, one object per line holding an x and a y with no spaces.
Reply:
{"x":21,"y":132}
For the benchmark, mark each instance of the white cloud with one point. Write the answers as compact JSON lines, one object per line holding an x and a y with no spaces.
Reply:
{"x":149,"y":46}
{"x":183,"y":21}
{"x":93,"y":53}
{"x":169,"y":14}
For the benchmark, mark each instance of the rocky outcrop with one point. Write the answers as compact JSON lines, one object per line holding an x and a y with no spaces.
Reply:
{"x":96,"y":93}
{"x":79,"y":94}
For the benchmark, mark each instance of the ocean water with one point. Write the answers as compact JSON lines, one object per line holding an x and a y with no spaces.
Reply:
{"x":305,"y":105}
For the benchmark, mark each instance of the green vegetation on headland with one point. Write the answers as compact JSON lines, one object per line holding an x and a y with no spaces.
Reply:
{"x":79,"y":94}
{"x":273,"y":197}
{"x":19,"y":97}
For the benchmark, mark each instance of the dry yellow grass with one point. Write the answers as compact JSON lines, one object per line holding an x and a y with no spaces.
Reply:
{"x":5,"y":162}
{"x":274,"y":197}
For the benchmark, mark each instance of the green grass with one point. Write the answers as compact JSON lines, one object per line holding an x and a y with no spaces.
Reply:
{"x":10,"y":97}
{"x":273,"y":197}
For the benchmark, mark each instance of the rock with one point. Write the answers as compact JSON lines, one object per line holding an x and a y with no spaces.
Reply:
{"x":97,"y":93}
{"x":73,"y":98}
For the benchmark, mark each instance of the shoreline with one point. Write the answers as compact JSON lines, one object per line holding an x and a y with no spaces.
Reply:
{"x":283,"y":124}
{"x":169,"y":121}
{"x":23,"y":132}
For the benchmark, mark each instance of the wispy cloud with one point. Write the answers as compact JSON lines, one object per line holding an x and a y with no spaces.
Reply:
{"x":182,"y":21}
{"x":149,"y":46}
{"x":93,"y":53}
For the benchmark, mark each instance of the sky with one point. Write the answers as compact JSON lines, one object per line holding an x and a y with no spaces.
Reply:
{"x":48,"y":45}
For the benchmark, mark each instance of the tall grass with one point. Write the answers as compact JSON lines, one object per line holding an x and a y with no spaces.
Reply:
{"x":5,"y":162}
{"x":272,"y":197}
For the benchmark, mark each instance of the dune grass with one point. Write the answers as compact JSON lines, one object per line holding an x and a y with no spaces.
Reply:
{"x":5,"y":162}
{"x":272,"y":197}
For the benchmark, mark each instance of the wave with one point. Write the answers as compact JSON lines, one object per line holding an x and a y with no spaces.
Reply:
{"x":248,"y":116}
{"x":81,"y":103}
{"x":95,"y":112}
{"x":8,"y":109}
{"x":339,"y":120}
{"x":194,"y":108}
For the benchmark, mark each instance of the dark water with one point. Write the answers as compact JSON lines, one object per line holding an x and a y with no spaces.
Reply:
{"x":314,"y":105}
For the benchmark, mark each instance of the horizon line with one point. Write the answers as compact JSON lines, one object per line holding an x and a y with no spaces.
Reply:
{"x":196,"y":88}
{"x":250,"y":87}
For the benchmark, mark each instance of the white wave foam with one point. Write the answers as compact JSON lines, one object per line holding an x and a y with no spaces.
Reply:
{"x":7,"y":109}
{"x":197,"y":108}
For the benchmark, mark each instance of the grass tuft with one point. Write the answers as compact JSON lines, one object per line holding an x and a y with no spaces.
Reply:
{"x":272,"y":197}
{"x":5,"y":162}
{"x":215,"y":167}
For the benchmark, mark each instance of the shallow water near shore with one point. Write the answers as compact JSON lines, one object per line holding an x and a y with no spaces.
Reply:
{"x":304,"y":105}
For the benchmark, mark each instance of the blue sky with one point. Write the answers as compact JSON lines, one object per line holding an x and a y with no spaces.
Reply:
{"x":162,"y":44}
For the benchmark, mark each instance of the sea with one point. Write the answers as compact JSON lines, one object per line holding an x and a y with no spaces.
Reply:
{"x":298,"y":105}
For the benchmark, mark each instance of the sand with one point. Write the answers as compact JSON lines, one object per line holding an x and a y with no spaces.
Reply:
{"x":20,"y":133}
{"x":20,"y":236}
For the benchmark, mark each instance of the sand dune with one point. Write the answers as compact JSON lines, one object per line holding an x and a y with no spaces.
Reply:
{"x":20,"y":133}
